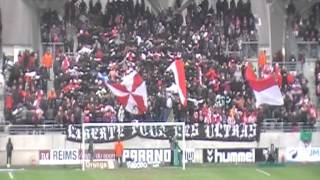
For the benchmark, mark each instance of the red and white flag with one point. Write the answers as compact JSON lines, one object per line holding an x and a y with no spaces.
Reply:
{"x":131,"y":93}
{"x":266,"y":90}
{"x":177,"y":67}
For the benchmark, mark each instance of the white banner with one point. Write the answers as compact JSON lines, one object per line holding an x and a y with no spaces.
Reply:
{"x":59,"y":157}
{"x":149,"y":156}
{"x":237,"y":155}
{"x":71,"y":156}
{"x":301,"y":154}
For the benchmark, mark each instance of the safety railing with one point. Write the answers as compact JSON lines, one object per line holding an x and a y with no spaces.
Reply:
{"x":249,"y":50}
{"x":53,"y":46}
{"x":290,"y":66}
{"x":308,"y":48}
{"x":32,"y":129}
{"x":271,"y":125}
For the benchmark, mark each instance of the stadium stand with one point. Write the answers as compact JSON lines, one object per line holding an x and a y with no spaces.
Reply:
{"x":176,"y":89}
{"x":305,"y":28}
{"x":93,"y":46}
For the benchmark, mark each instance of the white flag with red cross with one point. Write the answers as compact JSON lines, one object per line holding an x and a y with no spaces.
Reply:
{"x":131,"y":93}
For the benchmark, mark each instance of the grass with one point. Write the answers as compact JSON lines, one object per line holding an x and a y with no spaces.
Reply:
{"x":199,"y":172}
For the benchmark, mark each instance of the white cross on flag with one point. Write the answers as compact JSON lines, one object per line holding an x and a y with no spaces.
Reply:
{"x":131,"y":93}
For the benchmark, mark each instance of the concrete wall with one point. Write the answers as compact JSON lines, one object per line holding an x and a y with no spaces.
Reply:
{"x":259,"y":9}
{"x":21,"y":24}
{"x":277,"y":17}
{"x":26,"y":147}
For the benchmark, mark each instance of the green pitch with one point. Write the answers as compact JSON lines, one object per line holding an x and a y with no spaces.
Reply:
{"x":252,"y":172}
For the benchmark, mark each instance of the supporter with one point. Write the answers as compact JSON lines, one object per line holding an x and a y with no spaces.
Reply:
{"x":51,"y":27}
{"x":70,"y":10}
{"x":291,"y":8}
{"x":115,"y":42}
{"x":83,"y":7}
{"x":0,"y":34}
{"x":51,"y":98}
{"x":317,"y":79}
{"x":304,"y":27}
{"x":9,"y":104}
{"x":24,"y":95}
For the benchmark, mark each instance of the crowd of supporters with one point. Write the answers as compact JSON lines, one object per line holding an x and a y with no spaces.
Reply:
{"x":304,"y":28}
{"x":298,"y":106}
{"x":317,"y":78}
{"x":127,"y":36}
{"x":52,"y":27}
{"x":0,"y":30}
